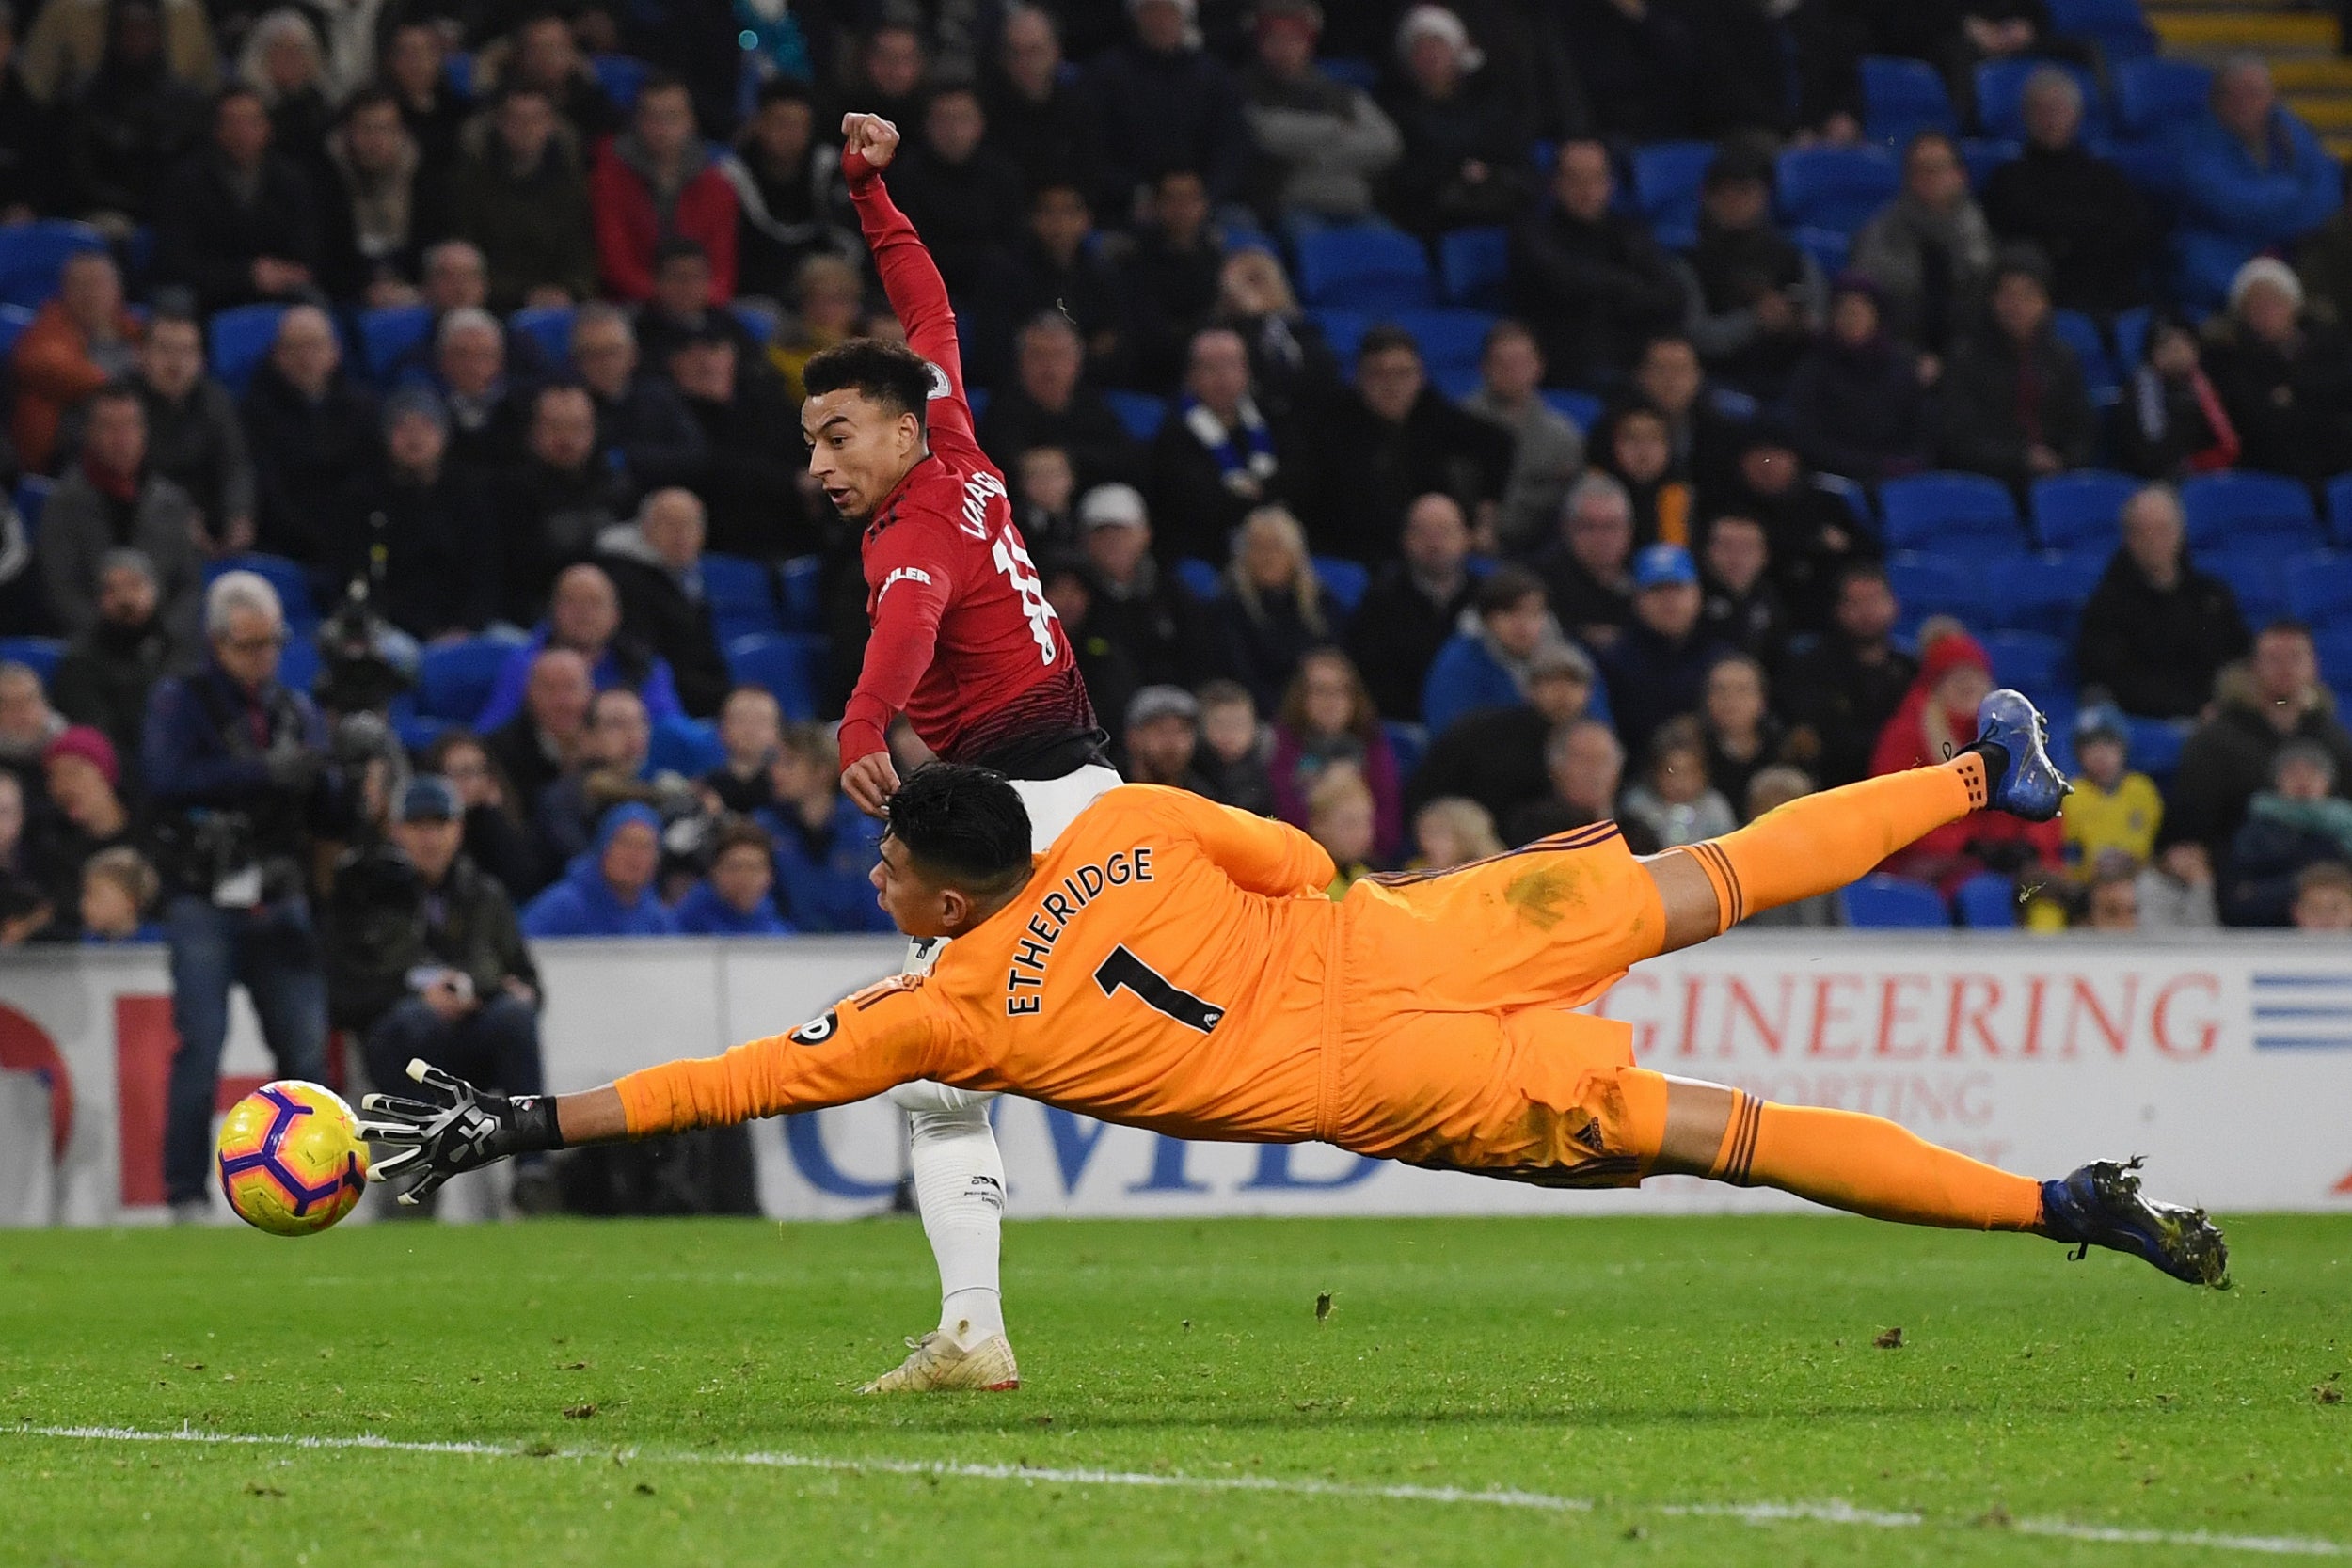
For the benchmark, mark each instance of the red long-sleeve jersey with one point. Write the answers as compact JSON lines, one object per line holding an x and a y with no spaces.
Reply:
{"x":964,"y":642}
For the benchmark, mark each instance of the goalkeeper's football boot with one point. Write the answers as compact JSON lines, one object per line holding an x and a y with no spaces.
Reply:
{"x":2100,"y":1205}
{"x":936,"y":1364}
{"x":2030,"y":786}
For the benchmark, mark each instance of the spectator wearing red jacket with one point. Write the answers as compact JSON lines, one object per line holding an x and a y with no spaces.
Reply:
{"x":1936,"y":716}
{"x":657,"y":180}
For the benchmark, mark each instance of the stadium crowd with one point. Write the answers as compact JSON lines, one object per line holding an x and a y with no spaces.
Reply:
{"x":1439,"y":426}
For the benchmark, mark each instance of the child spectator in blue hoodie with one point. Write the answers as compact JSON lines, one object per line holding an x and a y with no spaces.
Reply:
{"x":825,"y":847}
{"x":608,"y":890}
{"x":733,"y":900}
{"x":119,"y":887}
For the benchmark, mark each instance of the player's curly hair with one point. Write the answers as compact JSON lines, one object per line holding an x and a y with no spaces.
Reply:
{"x":891,"y":374}
{"x":965,"y":825}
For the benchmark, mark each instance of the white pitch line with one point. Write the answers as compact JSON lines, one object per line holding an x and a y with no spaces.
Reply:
{"x":1834,"y":1512}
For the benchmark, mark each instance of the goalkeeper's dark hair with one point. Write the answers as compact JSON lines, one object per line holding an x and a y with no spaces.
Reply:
{"x":889,"y":373}
{"x":963,"y":825}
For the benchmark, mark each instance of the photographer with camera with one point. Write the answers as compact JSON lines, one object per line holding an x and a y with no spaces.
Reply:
{"x":424,"y":955}
{"x":241,"y":780}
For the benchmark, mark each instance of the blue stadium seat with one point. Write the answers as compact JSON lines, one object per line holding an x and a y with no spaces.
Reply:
{"x":2249,"y":511}
{"x":1901,"y":98}
{"x":298,"y":662}
{"x":2035,"y":662}
{"x":742,"y":596}
{"x":33,"y":254}
{"x":789,"y":664}
{"x":804,"y":594}
{"x":1987,"y":902}
{"x":32,"y":499}
{"x":1343,"y":330}
{"x":1366,"y":267}
{"x":2000,"y":92}
{"x":1928,"y":585}
{"x":291,"y":580}
{"x":1981,"y":155}
{"x":2255,"y":576}
{"x":2156,"y":94}
{"x":2117,"y":27}
{"x":416,"y":729}
{"x":976,"y":398}
{"x":1352,"y":70}
{"x":1835,"y":187}
{"x":1450,"y":340}
{"x":1475,"y":266}
{"x":2154,"y":745}
{"x":1343,"y":580}
{"x":760,"y":324}
{"x":2319,"y":588}
{"x":1141,"y":412}
{"x":2340,"y":509}
{"x":453,"y":680}
{"x":40,"y":653}
{"x":386,"y":333}
{"x":1455,"y":381}
{"x":2081,"y":333}
{"x":2078,"y":511}
{"x":686,"y":746}
{"x":1409,"y":743}
{"x":1201,"y":578}
{"x":1829,"y":249}
{"x":14,"y":319}
{"x":1938,"y":510}
{"x":457,"y":70}
{"x":2334,"y":647}
{"x":621,"y":77}
{"x":241,"y":336}
{"x":1581,"y":409}
{"x":2040,"y":593}
{"x":1667,"y":180}
{"x":1880,"y":902}
{"x":549,"y":327}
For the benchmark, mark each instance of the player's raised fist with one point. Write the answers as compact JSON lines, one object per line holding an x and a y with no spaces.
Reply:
{"x":870,"y":139}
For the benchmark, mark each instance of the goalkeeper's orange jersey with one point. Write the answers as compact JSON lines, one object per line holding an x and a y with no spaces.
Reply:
{"x":1163,"y":967}
{"x":1177,"y":965}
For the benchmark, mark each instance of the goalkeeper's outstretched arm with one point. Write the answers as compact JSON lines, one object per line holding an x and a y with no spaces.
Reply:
{"x":882,"y":1036}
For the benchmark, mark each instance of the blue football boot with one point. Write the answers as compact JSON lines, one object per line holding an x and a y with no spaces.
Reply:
{"x":2030,"y":786}
{"x":2100,"y":1205}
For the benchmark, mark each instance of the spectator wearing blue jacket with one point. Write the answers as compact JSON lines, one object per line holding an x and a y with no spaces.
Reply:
{"x":1657,"y":668}
{"x":2252,"y":176}
{"x":736,"y":899}
{"x":826,"y":849}
{"x":608,"y":890}
{"x":1485,"y":663}
{"x":584,"y":614}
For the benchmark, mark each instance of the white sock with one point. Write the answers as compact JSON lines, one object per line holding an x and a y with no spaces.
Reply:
{"x":960,"y":1187}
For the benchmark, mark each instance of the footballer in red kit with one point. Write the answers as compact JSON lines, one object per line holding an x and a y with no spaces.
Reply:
{"x":966,"y":647}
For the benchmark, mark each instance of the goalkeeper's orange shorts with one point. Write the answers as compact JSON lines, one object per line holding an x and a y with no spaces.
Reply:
{"x":1455,"y":1046}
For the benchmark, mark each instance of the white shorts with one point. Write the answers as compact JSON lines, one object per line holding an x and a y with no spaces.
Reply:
{"x":1052,"y":805}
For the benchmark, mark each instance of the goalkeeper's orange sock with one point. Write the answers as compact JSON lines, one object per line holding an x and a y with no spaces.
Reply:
{"x":1819,"y":843}
{"x":1868,"y":1166}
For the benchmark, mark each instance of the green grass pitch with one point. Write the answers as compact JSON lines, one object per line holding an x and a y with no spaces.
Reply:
{"x":1606,"y":1390}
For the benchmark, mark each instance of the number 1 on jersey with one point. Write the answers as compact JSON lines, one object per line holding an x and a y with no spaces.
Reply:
{"x":1123,"y":968}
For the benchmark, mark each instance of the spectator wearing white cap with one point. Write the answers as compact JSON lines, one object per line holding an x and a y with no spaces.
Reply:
{"x":2280,"y":375}
{"x":1138,"y":608}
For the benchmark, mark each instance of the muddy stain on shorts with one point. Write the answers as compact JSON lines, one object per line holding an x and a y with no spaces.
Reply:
{"x":1545,"y":896}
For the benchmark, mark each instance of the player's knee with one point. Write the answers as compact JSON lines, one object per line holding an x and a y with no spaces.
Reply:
{"x":927,"y":1098}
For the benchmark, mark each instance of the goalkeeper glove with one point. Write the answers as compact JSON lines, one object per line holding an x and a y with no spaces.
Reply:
{"x":470,"y":1130}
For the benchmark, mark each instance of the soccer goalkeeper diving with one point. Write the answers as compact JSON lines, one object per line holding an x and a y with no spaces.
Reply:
{"x":1173,"y":965}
